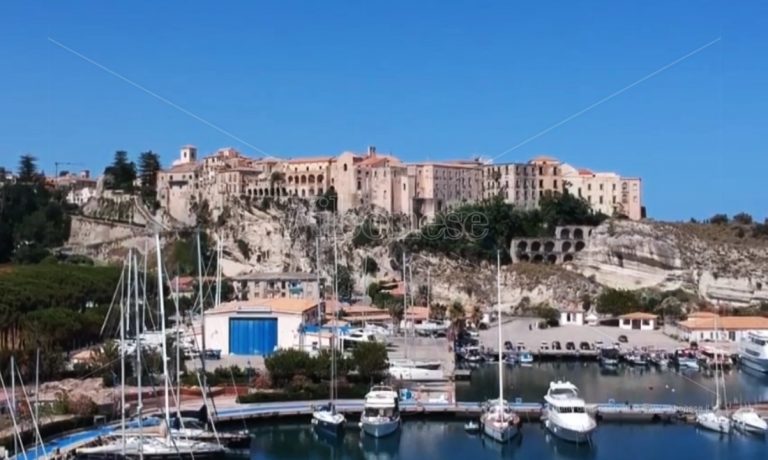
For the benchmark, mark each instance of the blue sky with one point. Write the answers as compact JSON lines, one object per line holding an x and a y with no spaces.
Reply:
{"x":423,"y":80}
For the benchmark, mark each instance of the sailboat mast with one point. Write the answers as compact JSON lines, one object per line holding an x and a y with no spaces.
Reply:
{"x":405,"y":308}
{"x":335,"y":309}
{"x":498,"y":308}
{"x":123,"y":299}
{"x":202,"y":310}
{"x":161,"y":296}
{"x":139,"y":326}
{"x":178,"y":346}
{"x":37,"y":387}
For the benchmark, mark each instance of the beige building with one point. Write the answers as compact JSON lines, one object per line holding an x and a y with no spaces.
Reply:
{"x":608,"y":193}
{"x":276,"y":285}
{"x":419,"y":190}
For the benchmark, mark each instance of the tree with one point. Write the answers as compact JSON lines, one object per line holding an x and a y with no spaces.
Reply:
{"x":370,"y":359}
{"x":457,"y":316}
{"x":719,"y":219}
{"x":329,"y":200}
{"x":344,"y":282}
{"x":149,"y":166}
{"x":28,"y":169}
{"x":370,"y":267}
{"x":743,"y":218}
{"x":670,"y":307}
{"x":617,"y":301}
{"x":284,"y":365}
{"x":437,"y":311}
{"x":121,"y":174}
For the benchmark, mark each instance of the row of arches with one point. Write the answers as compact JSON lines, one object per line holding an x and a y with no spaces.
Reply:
{"x":541,"y":258}
{"x":575,"y":233}
{"x":282,"y":191}
{"x":549,"y":246}
{"x":305,"y":179}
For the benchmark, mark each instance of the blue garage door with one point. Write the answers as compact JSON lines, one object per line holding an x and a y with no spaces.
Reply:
{"x":252,"y":336}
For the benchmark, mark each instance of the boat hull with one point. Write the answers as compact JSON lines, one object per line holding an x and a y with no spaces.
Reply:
{"x":500,"y":434}
{"x":566,"y":434}
{"x":758,"y":364}
{"x":717,"y":425}
{"x":380,"y":429}
{"x":328,"y":428}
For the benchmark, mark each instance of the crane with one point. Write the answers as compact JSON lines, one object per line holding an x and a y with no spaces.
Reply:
{"x":63,"y":163}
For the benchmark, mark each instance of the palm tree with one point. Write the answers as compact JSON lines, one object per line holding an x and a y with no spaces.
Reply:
{"x":477,"y":316}
{"x":457,"y":315}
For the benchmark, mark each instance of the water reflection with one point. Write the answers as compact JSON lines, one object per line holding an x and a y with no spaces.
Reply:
{"x":385,"y":448}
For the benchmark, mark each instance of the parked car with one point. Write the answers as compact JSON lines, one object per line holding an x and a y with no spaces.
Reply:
{"x":585,"y":346}
{"x":570,"y":346}
{"x":623,"y":339}
{"x":556,"y":345}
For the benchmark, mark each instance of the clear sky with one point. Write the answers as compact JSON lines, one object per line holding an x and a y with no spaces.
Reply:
{"x":421,"y":79}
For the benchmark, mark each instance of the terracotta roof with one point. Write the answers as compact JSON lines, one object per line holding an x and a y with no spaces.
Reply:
{"x":585,"y":172}
{"x":275,"y":305}
{"x":310,"y":160}
{"x":639,"y":315}
{"x":728,"y":323}
{"x":703,"y":314}
{"x":186,"y":167}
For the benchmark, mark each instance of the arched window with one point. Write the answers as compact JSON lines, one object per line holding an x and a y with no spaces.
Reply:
{"x":345,"y":166}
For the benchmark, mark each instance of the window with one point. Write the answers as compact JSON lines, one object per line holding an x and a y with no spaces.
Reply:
{"x":601,"y":187}
{"x":614,"y":187}
{"x":589,"y":187}
{"x":541,"y":183}
{"x":554,"y":184}
{"x":345,"y":166}
{"x":359,"y":184}
{"x":601,"y":199}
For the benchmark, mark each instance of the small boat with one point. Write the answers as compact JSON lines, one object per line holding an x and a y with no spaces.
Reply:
{"x":381,"y":414}
{"x":510,"y":358}
{"x":637,"y":359}
{"x":753,"y":351}
{"x":526,"y":358}
{"x":748,"y":421}
{"x":566,"y":414}
{"x":609,"y":356}
{"x":713,"y":421}
{"x":328,"y":421}
{"x":472,"y":427}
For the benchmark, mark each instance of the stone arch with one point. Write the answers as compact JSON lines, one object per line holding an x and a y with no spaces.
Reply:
{"x":311,"y":191}
{"x":552,"y":259}
{"x":566,"y":246}
{"x":565,"y":234}
{"x":303,"y":193}
{"x":319,"y":190}
{"x":319,"y":178}
{"x":311,"y":178}
{"x":579,"y":246}
{"x":536,"y":246}
{"x":549,"y":246}
{"x":271,"y":192}
{"x":578,"y":234}
{"x":538,"y":258}
{"x":261,"y":192}
{"x":522,"y":246}
{"x":524,"y":258}
{"x":285,"y":191}
{"x":568,"y":258}
{"x":303,"y":179}
{"x":290,"y":179}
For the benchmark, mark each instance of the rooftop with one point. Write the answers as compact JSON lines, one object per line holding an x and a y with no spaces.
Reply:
{"x":275,"y":305}
{"x":638,"y":315}
{"x":727,"y":323}
{"x":276,"y":276}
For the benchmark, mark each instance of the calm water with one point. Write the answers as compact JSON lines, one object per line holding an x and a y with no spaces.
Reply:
{"x":635,"y":385}
{"x":424,"y":440}
{"x":421,"y":440}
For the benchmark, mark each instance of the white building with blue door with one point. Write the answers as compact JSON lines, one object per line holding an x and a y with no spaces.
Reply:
{"x":258,"y":326}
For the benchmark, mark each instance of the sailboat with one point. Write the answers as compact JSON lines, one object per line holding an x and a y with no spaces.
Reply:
{"x":714,"y":420}
{"x":326,"y":419}
{"x":498,"y":421}
{"x":166,"y":445}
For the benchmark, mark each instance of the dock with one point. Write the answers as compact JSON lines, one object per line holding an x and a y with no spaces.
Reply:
{"x":528,"y":412}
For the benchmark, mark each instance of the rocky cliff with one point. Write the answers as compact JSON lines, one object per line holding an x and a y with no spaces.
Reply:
{"x":621,"y":254}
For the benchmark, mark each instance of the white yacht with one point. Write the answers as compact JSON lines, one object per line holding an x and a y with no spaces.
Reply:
{"x":714,"y":421}
{"x":753,"y":350}
{"x":748,"y":421}
{"x":404,"y":362}
{"x":155,"y":447}
{"x":428,"y":328}
{"x":566,"y":414}
{"x":406,"y":369}
{"x":381,"y":415}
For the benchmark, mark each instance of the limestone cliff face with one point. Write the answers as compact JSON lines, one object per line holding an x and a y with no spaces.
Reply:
{"x":621,"y":254}
{"x":632,"y":255}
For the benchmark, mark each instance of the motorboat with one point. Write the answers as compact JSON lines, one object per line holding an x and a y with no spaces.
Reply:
{"x":609,"y":356}
{"x":381,"y":414}
{"x":566,"y":414}
{"x":471,"y":427}
{"x":526,"y":358}
{"x":429,"y":328}
{"x":637,"y":359}
{"x":402,"y":362}
{"x":687,"y":359}
{"x":328,"y":421}
{"x":417,"y":374}
{"x":753,"y":350}
{"x":510,"y":358}
{"x":499,"y":422}
{"x":747,"y":420}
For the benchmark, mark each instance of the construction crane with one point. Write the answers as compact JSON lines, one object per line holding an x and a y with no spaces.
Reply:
{"x":63,"y":163}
